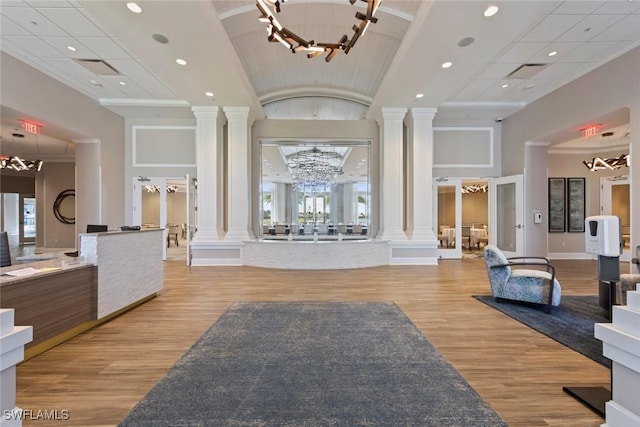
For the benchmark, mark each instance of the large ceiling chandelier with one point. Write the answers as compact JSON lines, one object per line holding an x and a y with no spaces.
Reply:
{"x":610,"y":163}
{"x":20,"y":163}
{"x":314,"y":169}
{"x":277,"y":33}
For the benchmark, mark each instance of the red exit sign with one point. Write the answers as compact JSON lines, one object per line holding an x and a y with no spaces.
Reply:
{"x":31,"y":127}
{"x":590,"y":131}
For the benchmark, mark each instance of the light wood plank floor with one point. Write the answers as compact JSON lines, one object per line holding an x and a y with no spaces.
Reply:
{"x":100,"y":375}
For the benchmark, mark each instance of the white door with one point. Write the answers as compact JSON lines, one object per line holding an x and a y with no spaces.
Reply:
{"x":447,"y":215}
{"x":615,"y":200}
{"x":506,"y":214}
{"x":192,"y":210}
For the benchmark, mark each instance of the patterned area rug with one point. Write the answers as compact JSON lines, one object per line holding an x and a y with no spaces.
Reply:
{"x":312,"y":364}
{"x":571,"y":323}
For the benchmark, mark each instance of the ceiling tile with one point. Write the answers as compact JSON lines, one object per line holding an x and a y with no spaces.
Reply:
{"x":618,"y":7}
{"x":563,"y":50}
{"x":557,"y":70}
{"x":589,"y":28}
{"x":520,"y":53}
{"x":31,"y":20}
{"x":623,"y":30}
{"x":552,"y":27}
{"x":10,"y":28}
{"x":61,"y":43}
{"x":578,"y":7}
{"x":588,"y":52}
{"x":73,"y":22}
{"x":104,"y":47}
{"x":34,"y":47}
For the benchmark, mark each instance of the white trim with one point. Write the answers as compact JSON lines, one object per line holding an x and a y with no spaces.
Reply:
{"x":465,"y":128}
{"x":134,"y":161}
{"x":114,"y":102}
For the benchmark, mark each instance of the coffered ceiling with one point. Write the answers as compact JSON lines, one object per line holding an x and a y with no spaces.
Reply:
{"x":227,"y":53}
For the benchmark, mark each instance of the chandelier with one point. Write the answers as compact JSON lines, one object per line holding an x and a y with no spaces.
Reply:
{"x":277,"y":33}
{"x":18,"y":163}
{"x":474,"y":188}
{"x":314,"y":170}
{"x":611,"y":163}
{"x":153,"y":188}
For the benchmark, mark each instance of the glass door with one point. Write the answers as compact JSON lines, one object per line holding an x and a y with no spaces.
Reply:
{"x":149,"y":205}
{"x":27,"y":219}
{"x":615,"y":200}
{"x":447,"y":216}
{"x":506,"y":214}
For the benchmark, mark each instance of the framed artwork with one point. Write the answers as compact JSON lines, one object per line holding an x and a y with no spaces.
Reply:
{"x":575,"y":205}
{"x":557,"y":205}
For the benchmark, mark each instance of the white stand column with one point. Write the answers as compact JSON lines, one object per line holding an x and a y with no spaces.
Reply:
{"x":392,"y":189}
{"x":12,"y":342}
{"x":207,"y":160}
{"x":621,"y":343}
{"x":421,"y":130}
{"x":239,"y":169}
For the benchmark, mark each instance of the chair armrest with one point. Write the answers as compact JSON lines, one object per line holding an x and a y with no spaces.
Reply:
{"x":539,"y":264}
{"x":530,"y":257}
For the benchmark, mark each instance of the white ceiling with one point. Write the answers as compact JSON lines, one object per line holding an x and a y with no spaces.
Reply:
{"x":227,"y":53}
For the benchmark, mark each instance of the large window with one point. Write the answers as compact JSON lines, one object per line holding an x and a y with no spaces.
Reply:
{"x":320,"y":185}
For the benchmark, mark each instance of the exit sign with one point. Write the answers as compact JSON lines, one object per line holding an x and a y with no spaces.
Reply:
{"x":590,"y":131}
{"x":31,"y":127}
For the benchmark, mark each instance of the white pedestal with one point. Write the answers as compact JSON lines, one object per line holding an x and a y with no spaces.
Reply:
{"x":621,"y":343}
{"x":12,"y":341}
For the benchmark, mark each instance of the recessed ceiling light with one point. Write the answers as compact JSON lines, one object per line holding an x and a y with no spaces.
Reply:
{"x":447,"y":64}
{"x":505,"y":85}
{"x":209,"y":94}
{"x":181,"y":61}
{"x":95,"y":82}
{"x":71,"y":48}
{"x":133,"y":7}
{"x":420,"y":95}
{"x":490,"y":11}
{"x":553,"y":53}
{"x":123,"y":83}
{"x":530,"y":86}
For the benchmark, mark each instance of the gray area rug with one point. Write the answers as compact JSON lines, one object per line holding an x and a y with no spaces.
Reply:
{"x":312,"y":364}
{"x":571,"y":323}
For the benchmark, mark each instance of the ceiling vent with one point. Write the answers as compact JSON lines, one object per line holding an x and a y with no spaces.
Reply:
{"x":98,"y":67}
{"x":526,"y":71}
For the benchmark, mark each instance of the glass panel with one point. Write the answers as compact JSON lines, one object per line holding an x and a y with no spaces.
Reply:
{"x":29,"y":218}
{"x":309,"y":187}
{"x":446,"y":216}
{"x":151,"y":206}
{"x":506,"y":216}
{"x":620,"y":207}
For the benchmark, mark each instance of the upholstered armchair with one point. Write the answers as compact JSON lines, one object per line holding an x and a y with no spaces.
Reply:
{"x":527,"y":279}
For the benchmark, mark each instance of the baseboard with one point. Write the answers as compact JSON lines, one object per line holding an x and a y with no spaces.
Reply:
{"x":571,"y":255}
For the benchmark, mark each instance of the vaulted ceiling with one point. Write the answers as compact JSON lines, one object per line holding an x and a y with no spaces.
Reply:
{"x":227,"y":53}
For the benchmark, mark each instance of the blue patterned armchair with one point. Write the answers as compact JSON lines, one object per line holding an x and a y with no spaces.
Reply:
{"x":522,"y":284}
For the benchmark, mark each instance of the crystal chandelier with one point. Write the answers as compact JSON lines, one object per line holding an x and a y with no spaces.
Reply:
{"x":314,"y":170}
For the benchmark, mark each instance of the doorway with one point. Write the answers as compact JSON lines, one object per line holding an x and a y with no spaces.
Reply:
{"x":615,"y":200}
{"x":162,"y":202}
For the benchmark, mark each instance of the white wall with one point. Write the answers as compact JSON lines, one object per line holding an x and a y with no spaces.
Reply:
{"x":10,"y":206}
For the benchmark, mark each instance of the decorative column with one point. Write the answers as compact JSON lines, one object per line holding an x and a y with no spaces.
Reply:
{"x":421,"y":130}
{"x":392,"y":177}
{"x":239,"y":169}
{"x":12,"y":342}
{"x":207,"y":161}
{"x":278,"y":202}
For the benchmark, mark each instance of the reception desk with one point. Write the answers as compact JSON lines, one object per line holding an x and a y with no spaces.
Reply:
{"x":130,"y":266}
{"x":63,"y":297}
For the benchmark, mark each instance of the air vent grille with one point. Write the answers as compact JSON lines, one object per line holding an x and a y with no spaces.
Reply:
{"x":98,"y":67}
{"x":526,"y":71}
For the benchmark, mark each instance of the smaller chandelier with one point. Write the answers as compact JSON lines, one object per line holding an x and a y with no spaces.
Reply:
{"x":19,"y":164}
{"x":277,"y":33}
{"x":612,"y":163}
{"x":153,"y":188}
{"x":474,"y":188}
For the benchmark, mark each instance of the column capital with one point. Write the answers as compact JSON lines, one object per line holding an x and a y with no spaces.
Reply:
{"x":390,"y":113}
{"x":236,"y":112}
{"x":423,"y":113}
{"x":205,"y":111}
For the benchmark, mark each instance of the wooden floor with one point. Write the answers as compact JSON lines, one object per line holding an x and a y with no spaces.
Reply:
{"x":100,"y":375}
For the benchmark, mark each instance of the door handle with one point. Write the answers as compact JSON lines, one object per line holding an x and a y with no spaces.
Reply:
{"x":519,"y":226}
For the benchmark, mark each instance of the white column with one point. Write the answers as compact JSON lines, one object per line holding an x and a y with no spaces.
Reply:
{"x":239,"y":170}
{"x":278,"y":202}
{"x":392,"y":176}
{"x":12,"y":341}
{"x":207,"y":161}
{"x":347,"y":206}
{"x":421,"y":122}
{"x":88,"y":192}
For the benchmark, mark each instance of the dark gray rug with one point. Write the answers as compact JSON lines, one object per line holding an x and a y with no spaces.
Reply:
{"x":571,"y":323}
{"x":312,"y":364}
